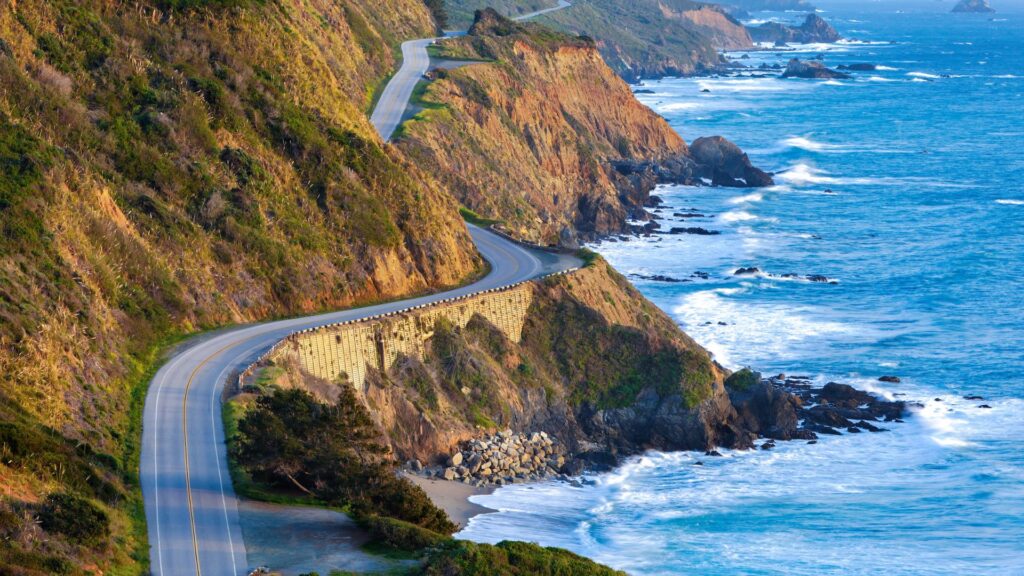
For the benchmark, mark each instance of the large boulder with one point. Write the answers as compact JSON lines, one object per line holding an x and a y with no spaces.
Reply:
{"x":766,"y":410}
{"x":726,"y":165}
{"x":797,"y":68}
{"x":976,"y":6}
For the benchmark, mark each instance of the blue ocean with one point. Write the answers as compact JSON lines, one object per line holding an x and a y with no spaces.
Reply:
{"x":904,"y":187}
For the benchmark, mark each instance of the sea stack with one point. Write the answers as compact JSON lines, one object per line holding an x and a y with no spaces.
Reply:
{"x":811,"y":69}
{"x":975,"y":6}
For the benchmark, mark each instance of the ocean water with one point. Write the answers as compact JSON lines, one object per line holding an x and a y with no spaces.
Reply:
{"x":906,"y":187}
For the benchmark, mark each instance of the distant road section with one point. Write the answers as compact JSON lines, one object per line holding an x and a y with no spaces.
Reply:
{"x":387,"y":116}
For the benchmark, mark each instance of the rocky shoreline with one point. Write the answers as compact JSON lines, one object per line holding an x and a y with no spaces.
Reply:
{"x":767,"y":410}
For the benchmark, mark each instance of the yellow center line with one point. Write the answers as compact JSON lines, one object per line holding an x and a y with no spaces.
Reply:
{"x":184,"y":427}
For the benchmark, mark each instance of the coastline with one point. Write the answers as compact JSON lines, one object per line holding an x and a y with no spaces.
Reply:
{"x":453,"y":497}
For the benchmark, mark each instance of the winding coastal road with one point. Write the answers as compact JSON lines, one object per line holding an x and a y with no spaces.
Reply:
{"x":191,"y":508}
{"x":390,"y":109}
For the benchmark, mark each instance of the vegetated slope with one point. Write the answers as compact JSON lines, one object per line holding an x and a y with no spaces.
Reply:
{"x":460,"y":12}
{"x":654,"y":38}
{"x":545,"y":138}
{"x":174,"y":165}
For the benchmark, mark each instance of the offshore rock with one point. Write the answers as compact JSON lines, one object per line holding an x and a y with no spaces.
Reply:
{"x":797,"y":68}
{"x":726,"y":165}
{"x":813,"y":30}
{"x":975,"y":6}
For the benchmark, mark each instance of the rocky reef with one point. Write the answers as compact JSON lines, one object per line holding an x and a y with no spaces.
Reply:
{"x":813,"y":69}
{"x":813,"y":29}
{"x":975,"y":6}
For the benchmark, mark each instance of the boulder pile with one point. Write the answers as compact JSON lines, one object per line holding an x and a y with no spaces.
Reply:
{"x":505,"y":458}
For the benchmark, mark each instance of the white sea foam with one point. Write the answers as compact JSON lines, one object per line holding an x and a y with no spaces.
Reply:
{"x":924,"y":75}
{"x":678,"y":106}
{"x":881,"y":79}
{"x":921,"y":80}
{"x":759,"y":332}
{"x":1010,"y":202}
{"x":804,"y":143}
{"x":804,"y":174}
{"x":737,"y":216}
{"x":754,"y":197}
{"x":833,"y":83}
{"x":886,"y":68}
{"x":1006,"y":76}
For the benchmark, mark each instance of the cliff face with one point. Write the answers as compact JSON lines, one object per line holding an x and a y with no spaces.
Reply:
{"x":654,"y":38}
{"x":546,"y":138}
{"x":711,"y":21}
{"x":527,"y":139}
{"x":597,"y":367}
{"x":638,"y":39}
{"x":163,"y":170}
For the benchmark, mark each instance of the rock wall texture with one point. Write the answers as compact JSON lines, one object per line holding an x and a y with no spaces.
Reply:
{"x":350,"y":350}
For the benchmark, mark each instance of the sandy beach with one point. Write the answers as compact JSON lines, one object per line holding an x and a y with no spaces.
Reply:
{"x":453,"y":497}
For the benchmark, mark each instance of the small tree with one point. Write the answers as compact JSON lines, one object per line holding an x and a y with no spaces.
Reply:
{"x":438,"y":11}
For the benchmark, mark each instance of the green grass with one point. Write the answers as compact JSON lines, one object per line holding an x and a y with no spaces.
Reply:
{"x":476,"y":219}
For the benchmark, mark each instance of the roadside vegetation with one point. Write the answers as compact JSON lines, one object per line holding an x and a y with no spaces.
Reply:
{"x":168,"y":167}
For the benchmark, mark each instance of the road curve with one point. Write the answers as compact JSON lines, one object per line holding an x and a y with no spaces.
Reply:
{"x":191,"y":508}
{"x":390,"y":109}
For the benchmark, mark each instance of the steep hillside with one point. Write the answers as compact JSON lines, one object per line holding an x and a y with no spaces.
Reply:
{"x":460,"y":12}
{"x":654,"y":38}
{"x":169,"y":166}
{"x":545,"y":138}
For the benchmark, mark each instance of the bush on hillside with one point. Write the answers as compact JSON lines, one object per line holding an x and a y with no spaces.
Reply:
{"x":462,"y":558}
{"x":742,"y":380}
{"x":333,"y":453}
{"x":75,"y":517}
{"x":400,"y":535}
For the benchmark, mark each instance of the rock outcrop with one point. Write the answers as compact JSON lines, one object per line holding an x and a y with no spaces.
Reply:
{"x":813,"y":30}
{"x":813,"y":69}
{"x":975,"y":6}
{"x":726,"y":165}
{"x":545,"y":138}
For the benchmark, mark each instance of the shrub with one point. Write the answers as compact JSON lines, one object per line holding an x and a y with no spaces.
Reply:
{"x":401,"y":535}
{"x":742,"y":380}
{"x":75,"y":517}
{"x":462,"y":558}
{"x":332,"y":453}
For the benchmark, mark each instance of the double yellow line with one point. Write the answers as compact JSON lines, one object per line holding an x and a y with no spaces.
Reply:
{"x":184,"y":428}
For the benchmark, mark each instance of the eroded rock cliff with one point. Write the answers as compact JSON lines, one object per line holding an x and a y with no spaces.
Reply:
{"x":544,"y":137}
